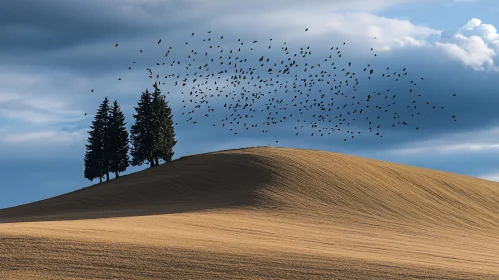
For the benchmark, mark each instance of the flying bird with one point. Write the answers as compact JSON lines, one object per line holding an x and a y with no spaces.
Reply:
{"x":253,"y":90}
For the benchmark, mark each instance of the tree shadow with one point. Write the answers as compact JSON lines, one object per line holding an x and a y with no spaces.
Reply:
{"x":194,"y":183}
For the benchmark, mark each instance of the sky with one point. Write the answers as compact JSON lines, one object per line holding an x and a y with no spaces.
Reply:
{"x":53,"y":52}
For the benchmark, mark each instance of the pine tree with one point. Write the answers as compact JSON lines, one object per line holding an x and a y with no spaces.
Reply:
{"x":156,"y":127}
{"x":96,"y":157}
{"x":118,"y":141}
{"x":152,"y":135}
{"x":103,"y":113}
{"x":163,"y":132}
{"x":169,"y":134}
{"x":92,"y":157}
{"x":159,"y":118}
{"x":141,"y":132}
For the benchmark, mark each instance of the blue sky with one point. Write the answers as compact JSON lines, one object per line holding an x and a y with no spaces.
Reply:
{"x":53,"y":52}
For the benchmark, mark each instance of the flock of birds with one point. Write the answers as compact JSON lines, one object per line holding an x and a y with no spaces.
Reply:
{"x":256,"y":92}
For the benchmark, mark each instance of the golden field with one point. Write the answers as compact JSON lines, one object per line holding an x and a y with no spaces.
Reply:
{"x":261,"y":213}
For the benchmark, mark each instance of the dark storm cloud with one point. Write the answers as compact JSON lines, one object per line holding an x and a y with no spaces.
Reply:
{"x":437,"y":88}
{"x":80,"y":35}
{"x":74,"y":34}
{"x":59,"y":24}
{"x":83,"y":34}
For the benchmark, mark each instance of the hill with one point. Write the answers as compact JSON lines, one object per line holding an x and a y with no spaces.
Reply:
{"x":340,"y":214}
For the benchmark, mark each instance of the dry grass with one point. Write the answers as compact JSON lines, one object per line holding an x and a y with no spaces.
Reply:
{"x":261,"y":213}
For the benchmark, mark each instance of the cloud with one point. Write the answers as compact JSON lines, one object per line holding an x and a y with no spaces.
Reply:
{"x":40,"y":97}
{"x":42,"y":144}
{"x":38,"y":111}
{"x":54,"y":96}
{"x":491,"y":177}
{"x":42,"y":137}
{"x":88,"y":21}
{"x":478,"y":141}
{"x":475,"y":44}
{"x":330,"y":28}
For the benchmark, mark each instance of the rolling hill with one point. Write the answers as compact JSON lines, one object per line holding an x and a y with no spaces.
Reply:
{"x":259,"y":213}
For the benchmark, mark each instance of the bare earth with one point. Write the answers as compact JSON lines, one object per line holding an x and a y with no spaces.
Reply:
{"x":261,"y":213}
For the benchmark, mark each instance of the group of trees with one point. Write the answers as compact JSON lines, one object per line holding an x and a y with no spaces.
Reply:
{"x":151,"y":138}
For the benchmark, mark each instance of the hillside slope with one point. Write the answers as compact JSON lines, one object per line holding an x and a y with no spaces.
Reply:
{"x":311,"y":183}
{"x":271,"y":213}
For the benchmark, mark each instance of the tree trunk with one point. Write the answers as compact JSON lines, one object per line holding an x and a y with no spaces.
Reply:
{"x":157,"y":161}
{"x":151,"y":162}
{"x":117,"y":175}
{"x":100,"y":179}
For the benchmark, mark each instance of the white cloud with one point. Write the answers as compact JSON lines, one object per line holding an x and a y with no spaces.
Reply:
{"x":462,"y":142}
{"x":327,"y":28}
{"x":39,"y":99}
{"x":475,"y":44}
{"x":205,"y":9}
{"x":445,"y":148}
{"x":7,"y":96}
{"x":42,"y":138}
{"x":39,"y":111}
{"x":42,"y":144}
{"x":491,"y":177}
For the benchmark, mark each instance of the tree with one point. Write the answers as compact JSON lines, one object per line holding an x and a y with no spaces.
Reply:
{"x":168,"y":133}
{"x":141,"y":131}
{"x":91,"y":158}
{"x":152,"y":135}
{"x":162,"y":127}
{"x":96,"y":156}
{"x":157,"y":124}
{"x":118,"y":141}
{"x":164,"y":135}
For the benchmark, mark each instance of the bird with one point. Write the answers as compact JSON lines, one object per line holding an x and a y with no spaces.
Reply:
{"x":247,"y":90}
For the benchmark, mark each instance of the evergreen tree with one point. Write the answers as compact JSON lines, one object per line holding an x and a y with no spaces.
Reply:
{"x":158,"y":124}
{"x":91,"y":159}
{"x":152,"y":135}
{"x":104,"y":113}
{"x":96,"y":157}
{"x":118,"y":141}
{"x":169,"y":134}
{"x":141,"y":132}
{"x":163,"y":132}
